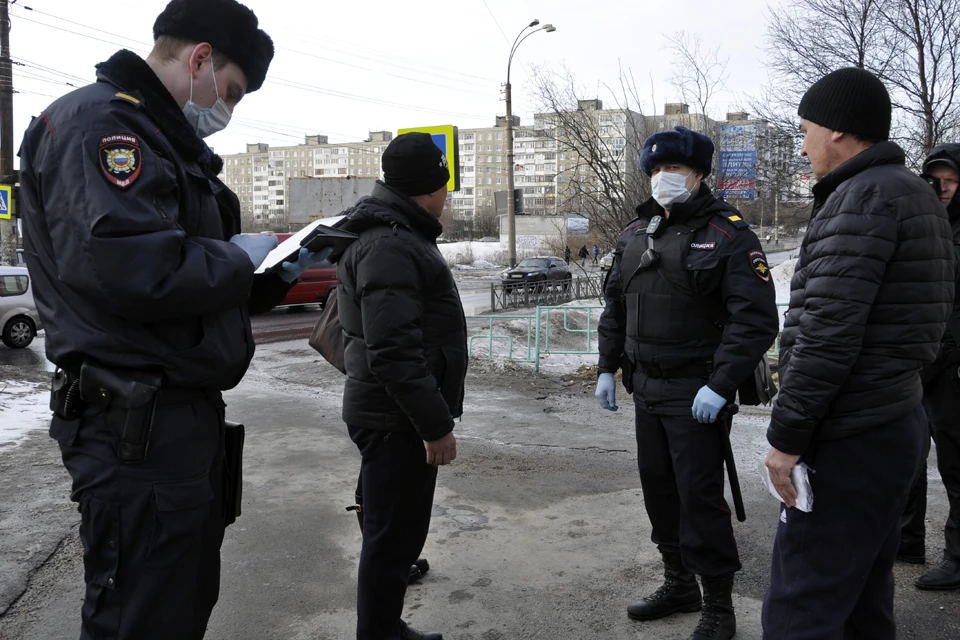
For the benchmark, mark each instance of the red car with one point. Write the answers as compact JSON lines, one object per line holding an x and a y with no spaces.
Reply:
{"x":314,"y":286}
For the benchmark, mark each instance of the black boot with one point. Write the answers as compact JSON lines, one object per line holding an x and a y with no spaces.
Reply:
{"x":409,"y":633}
{"x":717,"y":622}
{"x":944,"y":577}
{"x":679,"y":593}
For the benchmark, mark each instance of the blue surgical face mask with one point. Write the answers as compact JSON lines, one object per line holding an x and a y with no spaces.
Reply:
{"x":206,"y":121}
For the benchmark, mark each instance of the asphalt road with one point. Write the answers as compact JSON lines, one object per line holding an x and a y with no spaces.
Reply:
{"x":538,"y":531}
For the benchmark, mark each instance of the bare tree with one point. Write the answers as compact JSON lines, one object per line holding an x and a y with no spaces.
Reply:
{"x":598,"y":151}
{"x":910,"y":44}
{"x":926,"y":74}
{"x":699,"y":73}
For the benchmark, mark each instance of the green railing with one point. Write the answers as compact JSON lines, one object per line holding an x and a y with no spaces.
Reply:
{"x":538,"y":333}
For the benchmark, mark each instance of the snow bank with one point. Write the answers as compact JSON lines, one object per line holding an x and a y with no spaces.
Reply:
{"x":782,"y":275}
{"x":469,"y":252}
{"x":24,"y":407}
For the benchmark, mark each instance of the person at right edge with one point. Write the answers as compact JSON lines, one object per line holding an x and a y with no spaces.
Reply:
{"x":690,"y":311}
{"x":405,"y":354}
{"x":869,"y":303}
{"x":941,"y":386}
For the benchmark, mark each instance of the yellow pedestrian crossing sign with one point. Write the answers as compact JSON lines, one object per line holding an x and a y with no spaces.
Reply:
{"x":6,"y":202}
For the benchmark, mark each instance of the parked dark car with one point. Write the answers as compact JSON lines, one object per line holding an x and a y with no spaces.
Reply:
{"x":537,"y":272}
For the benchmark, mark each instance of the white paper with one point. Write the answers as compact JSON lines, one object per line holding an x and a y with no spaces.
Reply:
{"x":287,"y":249}
{"x":800,"y":477}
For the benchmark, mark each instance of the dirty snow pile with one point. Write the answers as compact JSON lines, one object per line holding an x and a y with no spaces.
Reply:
{"x":478,"y":265}
{"x":782,"y":275}
{"x":24,"y":407}
{"x":454,"y":251}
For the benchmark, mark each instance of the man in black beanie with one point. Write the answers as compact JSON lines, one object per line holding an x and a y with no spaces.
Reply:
{"x":145,"y":286}
{"x":405,"y":354}
{"x":869,"y":303}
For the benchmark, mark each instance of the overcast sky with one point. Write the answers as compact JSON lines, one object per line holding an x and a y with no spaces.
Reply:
{"x":383,"y":65}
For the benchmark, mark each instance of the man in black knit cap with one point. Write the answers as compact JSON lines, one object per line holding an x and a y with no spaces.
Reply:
{"x":146,"y":285}
{"x":405,"y":354}
{"x":869,"y":303}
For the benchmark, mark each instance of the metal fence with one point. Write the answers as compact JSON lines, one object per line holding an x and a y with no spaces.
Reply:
{"x":538,"y":330}
{"x":535,"y":340}
{"x":522,"y":295}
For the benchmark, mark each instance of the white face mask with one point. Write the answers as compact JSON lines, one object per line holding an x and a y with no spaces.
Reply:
{"x":670,"y":188}
{"x":206,"y":121}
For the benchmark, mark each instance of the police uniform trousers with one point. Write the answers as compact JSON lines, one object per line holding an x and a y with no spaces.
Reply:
{"x":942,"y":403}
{"x":832,"y":569}
{"x":151,"y":531}
{"x":398,"y":487}
{"x":682,"y":477}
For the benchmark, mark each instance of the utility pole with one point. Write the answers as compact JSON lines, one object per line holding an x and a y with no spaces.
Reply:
{"x":8,"y":234}
{"x":511,"y":205}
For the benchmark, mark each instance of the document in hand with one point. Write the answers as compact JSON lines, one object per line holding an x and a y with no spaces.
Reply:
{"x":315,"y":236}
{"x":800,"y":477}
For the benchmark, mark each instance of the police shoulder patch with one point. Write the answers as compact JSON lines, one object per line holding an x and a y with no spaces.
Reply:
{"x":120,"y":158}
{"x":758,"y":261}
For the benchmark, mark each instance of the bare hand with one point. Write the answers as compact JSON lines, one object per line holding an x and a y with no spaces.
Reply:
{"x":442,"y":451}
{"x":780,"y":465}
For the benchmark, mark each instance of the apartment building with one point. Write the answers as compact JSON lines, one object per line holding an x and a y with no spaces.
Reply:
{"x":261,"y":176}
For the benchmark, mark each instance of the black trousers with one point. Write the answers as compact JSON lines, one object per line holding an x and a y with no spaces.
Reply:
{"x":152,"y":531}
{"x":398,"y":487}
{"x":681,"y":473}
{"x":832,"y":569}
{"x":942,"y":402}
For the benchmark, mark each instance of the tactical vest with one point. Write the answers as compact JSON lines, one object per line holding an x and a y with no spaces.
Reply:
{"x":662,"y":302}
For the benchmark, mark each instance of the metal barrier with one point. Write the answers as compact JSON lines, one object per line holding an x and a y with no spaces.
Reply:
{"x":538,"y":333}
{"x":519,"y":295}
{"x":538,"y":330}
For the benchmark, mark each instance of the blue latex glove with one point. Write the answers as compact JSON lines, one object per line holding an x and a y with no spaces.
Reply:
{"x":707,"y":405}
{"x":290,"y":271}
{"x":607,"y":391}
{"x":257,"y":247}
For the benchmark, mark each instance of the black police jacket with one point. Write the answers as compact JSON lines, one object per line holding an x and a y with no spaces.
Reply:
{"x":869,"y":302}
{"x":125,"y":229}
{"x":405,"y":345}
{"x":706,"y":311}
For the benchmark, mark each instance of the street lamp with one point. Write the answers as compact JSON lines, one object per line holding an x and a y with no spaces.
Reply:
{"x":511,"y":205}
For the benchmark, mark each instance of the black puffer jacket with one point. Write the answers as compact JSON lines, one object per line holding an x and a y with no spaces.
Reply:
{"x":869,"y":302}
{"x":403,"y":324}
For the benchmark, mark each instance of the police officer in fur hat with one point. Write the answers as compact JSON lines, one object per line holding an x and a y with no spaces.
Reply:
{"x":690,"y":311}
{"x":146,"y":287}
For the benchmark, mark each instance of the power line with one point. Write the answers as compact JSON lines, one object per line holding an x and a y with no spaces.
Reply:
{"x":386,"y":73}
{"x":55,"y":17}
{"x":496,"y":22}
{"x":391,"y":58}
{"x":84,"y":35}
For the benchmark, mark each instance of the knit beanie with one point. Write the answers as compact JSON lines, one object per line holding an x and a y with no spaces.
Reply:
{"x":414,"y":165}
{"x":849,"y":100}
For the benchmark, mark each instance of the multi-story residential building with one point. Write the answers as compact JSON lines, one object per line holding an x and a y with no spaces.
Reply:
{"x":260,"y":177}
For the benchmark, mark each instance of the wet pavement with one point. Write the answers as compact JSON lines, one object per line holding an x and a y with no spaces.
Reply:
{"x":538,"y":530}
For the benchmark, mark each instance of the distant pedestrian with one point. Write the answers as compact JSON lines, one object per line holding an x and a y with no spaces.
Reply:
{"x":405,"y":351}
{"x":861,"y":324}
{"x":596,"y":255}
{"x":583,"y":255}
{"x":566,"y":255}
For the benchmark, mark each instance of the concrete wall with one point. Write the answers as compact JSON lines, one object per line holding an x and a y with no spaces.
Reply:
{"x":315,"y":198}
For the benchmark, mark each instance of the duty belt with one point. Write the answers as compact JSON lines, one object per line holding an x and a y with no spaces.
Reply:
{"x":701,"y":369}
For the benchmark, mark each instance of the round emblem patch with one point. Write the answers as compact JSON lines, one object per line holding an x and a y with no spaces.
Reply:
{"x":120,"y":158}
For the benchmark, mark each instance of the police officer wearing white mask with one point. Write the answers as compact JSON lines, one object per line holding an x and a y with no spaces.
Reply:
{"x":690,"y":311}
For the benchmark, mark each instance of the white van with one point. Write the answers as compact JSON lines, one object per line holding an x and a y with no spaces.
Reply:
{"x":19,"y":320}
